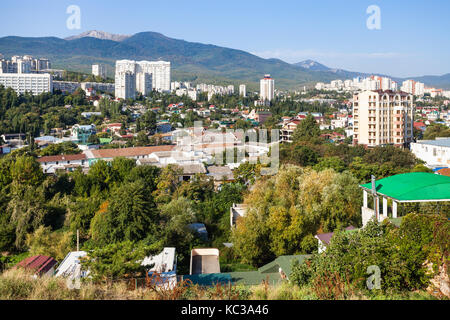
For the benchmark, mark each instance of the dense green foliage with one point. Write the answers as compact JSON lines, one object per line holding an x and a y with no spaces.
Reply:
{"x":401,"y":254}
{"x":286,"y":210}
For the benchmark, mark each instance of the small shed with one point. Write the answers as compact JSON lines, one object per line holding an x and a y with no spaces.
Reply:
{"x":40,"y":265}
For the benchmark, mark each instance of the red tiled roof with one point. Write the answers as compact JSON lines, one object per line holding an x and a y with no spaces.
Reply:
{"x":39,"y":264}
{"x":129,"y":152}
{"x":67,"y":157}
{"x":444,"y":172}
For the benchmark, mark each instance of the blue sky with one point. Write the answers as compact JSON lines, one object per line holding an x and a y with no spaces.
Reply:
{"x":413,"y":39}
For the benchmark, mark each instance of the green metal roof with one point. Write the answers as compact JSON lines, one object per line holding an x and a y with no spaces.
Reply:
{"x":269,"y":272}
{"x":105,"y":140}
{"x":254,"y":278}
{"x":209,"y":279}
{"x":413,"y":187}
{"x":283,"y":262}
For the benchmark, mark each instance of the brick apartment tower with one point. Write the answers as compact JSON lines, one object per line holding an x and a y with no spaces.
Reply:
{"x":383,"y":118}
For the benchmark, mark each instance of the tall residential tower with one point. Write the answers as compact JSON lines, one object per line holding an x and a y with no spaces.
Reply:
{"x":383,"y":117}
{"x":267,"y":88}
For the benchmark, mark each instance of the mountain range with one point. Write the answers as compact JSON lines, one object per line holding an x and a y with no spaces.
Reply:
{"x":190,"y":61}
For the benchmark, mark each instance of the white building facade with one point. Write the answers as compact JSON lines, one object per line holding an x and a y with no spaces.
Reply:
{"x":99,"y":70}
{"x":21,"y":83}
{"x":267,"y":88}
{"x":435,"y":153}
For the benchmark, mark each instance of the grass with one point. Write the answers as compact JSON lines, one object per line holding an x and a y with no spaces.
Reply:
{"x":17,"y":284}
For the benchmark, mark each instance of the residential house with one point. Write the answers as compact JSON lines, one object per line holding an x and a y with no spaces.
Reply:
{"x":129,"y":153}
{"x":287,"y":131}
{"x":325,"y":238}
{"x":69,"y":162}
{"x":80,"y":134}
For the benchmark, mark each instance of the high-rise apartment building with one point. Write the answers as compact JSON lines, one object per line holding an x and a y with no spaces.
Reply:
{"x":25,"y":64}
{"x":148,"y":75}
{"x":243,"y":90}
{"x":413,"y":87}
{"x":27,"y":82}
{"x":125,"y":85}
{"x":144,"y":83}
{"x":99,"y":70}
{"x":160,"y":71}
{"x":383,"y":117}
{"x":267,"y":88}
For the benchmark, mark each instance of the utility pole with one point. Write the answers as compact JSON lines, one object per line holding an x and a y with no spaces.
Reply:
{"x":78,"y":240}
{"x":375,"y":198}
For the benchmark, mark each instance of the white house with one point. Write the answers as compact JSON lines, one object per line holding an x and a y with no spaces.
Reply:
{"x":70,"y":162}
{"x":434,"y":152}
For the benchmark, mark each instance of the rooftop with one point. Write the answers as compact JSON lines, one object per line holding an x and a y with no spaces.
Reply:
{"x":128,"y":152}
{"x":67,"y":157}
{"x":413,"y":187}
{"x":39,"y":264}
{"x":439,"y":142}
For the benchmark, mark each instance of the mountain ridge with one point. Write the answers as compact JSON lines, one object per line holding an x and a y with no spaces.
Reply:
{"x":191,"y":61}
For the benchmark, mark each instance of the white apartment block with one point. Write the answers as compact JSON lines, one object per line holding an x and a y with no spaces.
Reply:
{"x":191,"y":93}
{"x":125,"y":85}
{"x":25,"y":64}
{"x":267,"y":88}
{"x":148,"y":75}
{"x":144,"y":83}
{"x":160,"y":71}
{"x":99,"y":70}
{"x":21,"y":83}
{"x":382,"y":118}
{"x":243,"y":90}
{"x":413,"y":87}
{"x":66,"y":86}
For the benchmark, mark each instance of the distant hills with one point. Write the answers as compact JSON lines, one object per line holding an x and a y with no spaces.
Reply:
{"x":191,"y":61}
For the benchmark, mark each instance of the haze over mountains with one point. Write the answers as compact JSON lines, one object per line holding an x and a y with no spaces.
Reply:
{"x":190,"y":61}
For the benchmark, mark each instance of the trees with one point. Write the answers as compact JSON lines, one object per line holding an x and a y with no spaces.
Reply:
{"x":286,"y":210}
{"x":148,"y":121}
{"x":167,"y":183}
{"x":130,"y":214}
{"x":304,"y":156}
{"x":118,"y":260}
{"x":142,"y":139}
{"x":67,"y":147}
{"x":247,"y":173}
{"x":53,"y":244}
{"x":93,"y":139}
{"x":27,"y":210}
{"x":306,"y":130}
{"x":26,"y":171}
{"x":401,"y":254}
{"x":436,"y":130}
